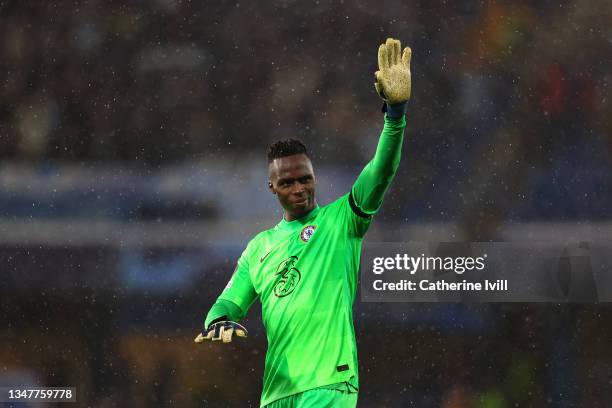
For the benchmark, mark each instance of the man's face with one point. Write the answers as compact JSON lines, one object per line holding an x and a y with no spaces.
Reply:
{"x":292,"y":179}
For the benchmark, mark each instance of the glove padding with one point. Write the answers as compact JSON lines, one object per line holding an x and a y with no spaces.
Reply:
{"x":393,"y":80}
{"x":223,"y":330}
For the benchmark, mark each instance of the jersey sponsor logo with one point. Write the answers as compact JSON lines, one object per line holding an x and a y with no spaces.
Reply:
{"x":265,"y":256}
{"x":288,"y":277}
{"x":307,"y":232}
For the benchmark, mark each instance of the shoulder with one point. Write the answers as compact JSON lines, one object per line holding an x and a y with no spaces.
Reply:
{"x":341,"y":209}
{"x":260,"y":239}
{"x":337,"y":204}
{"x":263,"y":235}
{"x":345,"y":213}
{"x":346,"y":203}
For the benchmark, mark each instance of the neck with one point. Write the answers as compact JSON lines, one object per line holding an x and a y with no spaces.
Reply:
{"x":292,"y":217}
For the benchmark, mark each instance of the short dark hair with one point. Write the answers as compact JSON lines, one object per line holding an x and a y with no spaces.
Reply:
{"x":287,"y":147}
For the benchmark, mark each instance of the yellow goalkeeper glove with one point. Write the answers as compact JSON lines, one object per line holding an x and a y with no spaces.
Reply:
{"x":393,"y":82}
{"x":222,"y":330}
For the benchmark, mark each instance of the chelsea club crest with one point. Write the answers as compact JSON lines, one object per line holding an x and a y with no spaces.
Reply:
{"x":307,"y":232}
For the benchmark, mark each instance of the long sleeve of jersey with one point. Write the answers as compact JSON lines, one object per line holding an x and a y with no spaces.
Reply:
{"x":371,"y":185}
{"x":237,"y":297}
{"x":221,"y":308}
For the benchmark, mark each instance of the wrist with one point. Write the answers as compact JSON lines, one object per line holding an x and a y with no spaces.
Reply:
{"x":217,"y":320}
{"x":395,"y":111}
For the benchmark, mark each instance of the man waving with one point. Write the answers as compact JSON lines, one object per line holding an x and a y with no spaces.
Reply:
{"x":305,"y":269}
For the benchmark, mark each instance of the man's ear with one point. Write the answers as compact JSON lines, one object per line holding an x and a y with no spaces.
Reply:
{"x":271,"y":187}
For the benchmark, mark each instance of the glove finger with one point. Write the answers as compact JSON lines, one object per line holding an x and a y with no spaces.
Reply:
{"x":210,"y":334}
{"x":201,"y":337}
{"x":406,"y":57}
{"x":240,"y":330}
{"x":383,"y":61}
{"x":378,"y":76}
{"x":217,"y":332}
{"x":398,"y":51}
{"x":227,"y":334}
{"x":390,"y":51}
{"x":379,"y":90}
{"x":379,"y":84}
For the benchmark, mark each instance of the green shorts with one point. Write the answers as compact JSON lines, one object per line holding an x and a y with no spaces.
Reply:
{"x":340,"y":395}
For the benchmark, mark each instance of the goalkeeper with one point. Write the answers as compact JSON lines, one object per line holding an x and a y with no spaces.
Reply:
{"x":304,"y":270}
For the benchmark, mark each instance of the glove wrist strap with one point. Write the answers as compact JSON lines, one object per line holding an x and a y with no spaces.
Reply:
{"x":395,"y":111}
{"x":217,"y":320}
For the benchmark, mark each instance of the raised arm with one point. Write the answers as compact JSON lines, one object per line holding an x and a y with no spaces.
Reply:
{"x":393,"y":84}
{"x":371,"y":185}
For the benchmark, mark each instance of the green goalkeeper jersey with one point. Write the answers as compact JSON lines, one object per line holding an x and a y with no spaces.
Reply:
{"x":305,"y":274}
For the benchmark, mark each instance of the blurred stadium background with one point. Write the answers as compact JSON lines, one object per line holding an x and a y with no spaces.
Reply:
{"x":133,"y":137}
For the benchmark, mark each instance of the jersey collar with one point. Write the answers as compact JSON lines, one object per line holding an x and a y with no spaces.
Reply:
{"x":300,"y":222}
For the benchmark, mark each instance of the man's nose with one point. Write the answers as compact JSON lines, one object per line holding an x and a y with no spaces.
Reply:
{"x":297,"y":188}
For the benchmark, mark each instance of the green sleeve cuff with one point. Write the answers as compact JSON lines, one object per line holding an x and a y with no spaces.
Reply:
{"x":396,"y":111}
{"x":221,"y":308}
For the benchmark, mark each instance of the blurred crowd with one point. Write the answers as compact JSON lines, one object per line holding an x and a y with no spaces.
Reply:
{"x":509,"y":119}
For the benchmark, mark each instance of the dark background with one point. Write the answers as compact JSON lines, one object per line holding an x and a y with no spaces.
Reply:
{"x":132,"y":175}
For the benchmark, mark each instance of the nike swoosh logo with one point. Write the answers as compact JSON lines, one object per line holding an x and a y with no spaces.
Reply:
{"x":265,"y":256}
